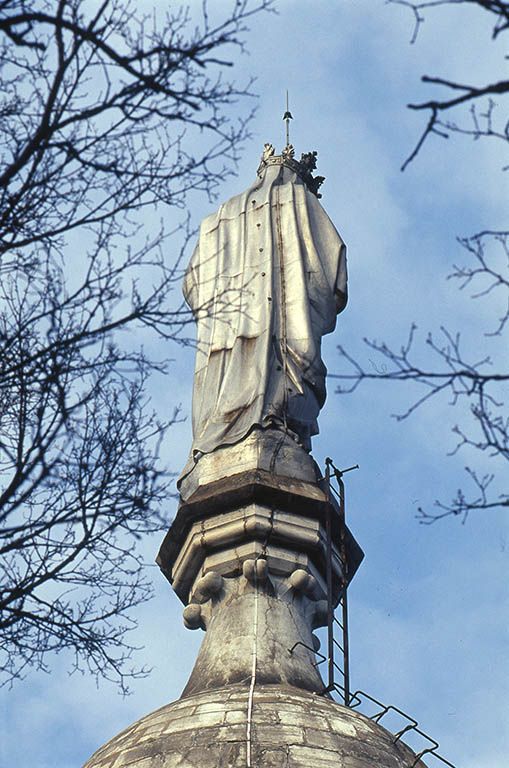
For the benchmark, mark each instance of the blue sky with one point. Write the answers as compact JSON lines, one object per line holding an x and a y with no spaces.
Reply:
{"x":429,"y":606}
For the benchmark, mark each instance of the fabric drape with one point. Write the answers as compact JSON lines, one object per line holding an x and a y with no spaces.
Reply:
{"x":265,"y":283}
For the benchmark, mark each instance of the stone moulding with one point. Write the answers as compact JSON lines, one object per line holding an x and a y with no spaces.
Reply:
{"x":252,"y":513}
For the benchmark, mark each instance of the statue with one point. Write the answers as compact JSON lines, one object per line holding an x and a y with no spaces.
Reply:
{"x":265,"y":283}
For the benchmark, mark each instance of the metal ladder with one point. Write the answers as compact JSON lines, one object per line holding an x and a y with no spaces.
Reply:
{"x":337,"y":630}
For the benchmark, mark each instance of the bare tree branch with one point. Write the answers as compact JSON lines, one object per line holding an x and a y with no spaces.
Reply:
{"x":104,"y":113}
{"x":468,"y":93}
{"x":476,"y":387}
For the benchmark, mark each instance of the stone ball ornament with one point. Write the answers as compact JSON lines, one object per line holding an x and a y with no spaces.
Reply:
{"x":192,"y":616}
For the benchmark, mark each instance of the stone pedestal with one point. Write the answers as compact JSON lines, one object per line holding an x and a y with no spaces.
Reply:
{"x":270,"y":450}
{"x":260,"y":500}
{"x":248,"y":555}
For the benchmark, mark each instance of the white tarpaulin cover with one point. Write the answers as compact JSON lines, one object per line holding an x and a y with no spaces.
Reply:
{"x":265,"y":283}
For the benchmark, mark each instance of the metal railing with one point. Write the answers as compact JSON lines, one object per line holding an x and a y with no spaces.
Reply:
{"x":410,"y":726}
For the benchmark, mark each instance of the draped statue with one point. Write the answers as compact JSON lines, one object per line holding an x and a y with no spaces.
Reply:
{"x":265,"y":283}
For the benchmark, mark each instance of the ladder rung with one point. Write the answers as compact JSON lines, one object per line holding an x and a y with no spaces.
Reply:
{"x":338,"y":668}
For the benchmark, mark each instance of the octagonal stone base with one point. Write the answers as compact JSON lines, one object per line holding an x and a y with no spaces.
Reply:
{"x":255,"y":512}
{"x":270,"y":450}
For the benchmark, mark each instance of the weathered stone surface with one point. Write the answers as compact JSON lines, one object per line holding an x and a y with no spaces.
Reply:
{"x":290,"y":728}
{"x":268,"y":622}
{"x":270,"y":450}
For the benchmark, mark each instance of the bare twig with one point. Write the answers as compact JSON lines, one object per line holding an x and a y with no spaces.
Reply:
{"x":474,"y":383}
{"x":464,"y":94}
{"x":103,"y":113}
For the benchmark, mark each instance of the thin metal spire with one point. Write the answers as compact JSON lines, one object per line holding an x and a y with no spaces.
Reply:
{"x":287,"y":117}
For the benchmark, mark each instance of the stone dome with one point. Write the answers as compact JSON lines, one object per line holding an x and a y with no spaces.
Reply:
{"x":289,"y":727}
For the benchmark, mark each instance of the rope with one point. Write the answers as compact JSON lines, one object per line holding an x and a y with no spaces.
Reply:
{"x":254,"y":653}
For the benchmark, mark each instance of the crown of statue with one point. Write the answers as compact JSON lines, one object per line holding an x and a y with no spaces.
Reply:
{"x":302,"y":167}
